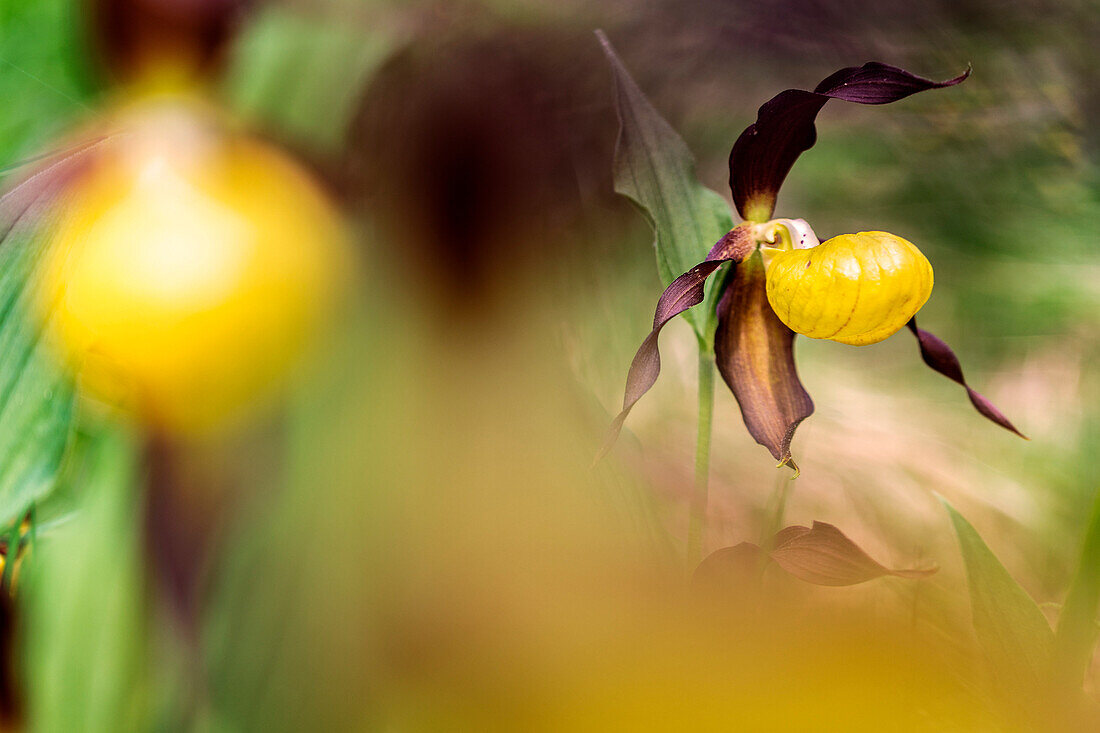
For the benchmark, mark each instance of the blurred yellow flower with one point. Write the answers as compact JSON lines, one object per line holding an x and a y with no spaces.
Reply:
{"x":188,"y":265}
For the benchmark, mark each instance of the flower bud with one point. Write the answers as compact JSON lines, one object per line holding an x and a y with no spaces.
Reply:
{"x":854,"y":288}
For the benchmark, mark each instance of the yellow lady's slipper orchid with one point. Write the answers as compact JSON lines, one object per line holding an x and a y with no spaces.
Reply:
{"x":854,"y":288}
{"x":188,"y":266}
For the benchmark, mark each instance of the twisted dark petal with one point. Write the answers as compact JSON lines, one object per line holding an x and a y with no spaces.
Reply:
{"x":784,"y":128}
{"x":755,"y":354}
{"x":940,"y":357}
{"x":683,"y":293}
{"x":875,"y":83}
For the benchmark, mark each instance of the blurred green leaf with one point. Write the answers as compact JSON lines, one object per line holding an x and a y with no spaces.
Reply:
{"x":86,"y":626}
{"x":1075,"y":639}
{"x":36,"y":393}
{"x":1011,"y":628}
{"x":301,"y":76}
{"x":655,"y":170}
{"x":45,"y":65}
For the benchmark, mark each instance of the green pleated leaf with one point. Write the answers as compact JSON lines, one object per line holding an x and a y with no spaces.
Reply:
{"x":656,"y":171}
{"x":36,"y":393}
{"x":1013,"y":633}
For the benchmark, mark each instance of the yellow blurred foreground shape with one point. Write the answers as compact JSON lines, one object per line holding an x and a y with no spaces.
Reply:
{"x":188,"y":265}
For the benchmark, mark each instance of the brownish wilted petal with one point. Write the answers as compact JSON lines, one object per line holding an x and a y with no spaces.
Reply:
{"x":823,"y":555}
{"x":755,"y":355}
{"x":940,"y":357}
{"x":683,"y":293}
{"x":784,"y":128}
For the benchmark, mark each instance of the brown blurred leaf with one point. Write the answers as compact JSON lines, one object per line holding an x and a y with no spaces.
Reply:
{"x":728,"y":566}
{"x":732,"y":577}
{"x":823,"y":555}
{"x":788,"y":533}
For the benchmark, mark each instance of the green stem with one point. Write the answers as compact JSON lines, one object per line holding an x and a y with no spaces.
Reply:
{"x":783,"y":484}
{"x":698,"y":522}
{"x":775,"y":510}
{"x":14,"y":539}
{"x":32,"y":529}
{"x":1076,"y":636}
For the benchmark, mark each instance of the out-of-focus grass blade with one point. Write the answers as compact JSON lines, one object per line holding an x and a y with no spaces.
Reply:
{"x":1011,"y":629}
{"x":85,"y":625}
{"x":36,"y":393}
{"x":1075,"y":639}
{"x":301,"y":75}
{"x":290,"y":602}
{"x":62,"y":504}
{"x":655,"y":170}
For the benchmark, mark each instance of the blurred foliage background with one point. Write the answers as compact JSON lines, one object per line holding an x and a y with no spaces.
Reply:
{"x":411,"y":537}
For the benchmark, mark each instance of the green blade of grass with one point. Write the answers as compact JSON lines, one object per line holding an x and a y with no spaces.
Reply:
{"x":1011,"y":629}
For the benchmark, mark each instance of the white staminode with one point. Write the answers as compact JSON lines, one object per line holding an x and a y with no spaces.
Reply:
{"x":784,"y":234}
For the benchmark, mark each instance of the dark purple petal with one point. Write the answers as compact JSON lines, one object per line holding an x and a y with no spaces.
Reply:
{"x":875,"y":83}
{"x":784,"y":128}
{"x":940,"y":357}
{"x":755,"y":355}
{"x":683,"y":293}
{"x":766,"y":150}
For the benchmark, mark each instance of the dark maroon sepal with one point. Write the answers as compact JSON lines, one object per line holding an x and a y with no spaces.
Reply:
{"x":755,"y":355}
{"x":784,"y":128}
